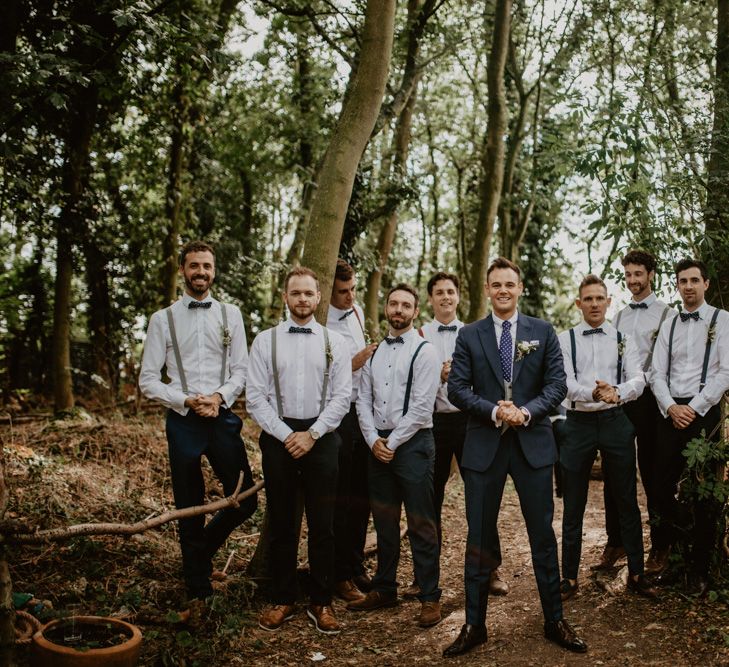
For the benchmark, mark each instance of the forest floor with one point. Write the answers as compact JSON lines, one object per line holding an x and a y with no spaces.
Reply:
{"x":115,"y":469}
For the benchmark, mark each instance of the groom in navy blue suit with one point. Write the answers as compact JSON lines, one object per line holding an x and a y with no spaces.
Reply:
{"x":507,"y":375}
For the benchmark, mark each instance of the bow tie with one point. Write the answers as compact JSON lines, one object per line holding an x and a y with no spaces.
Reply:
{"x":685,"y":317}
{"x":589,"y":332}
{"x":346,"y":315}
{"x":199,"y":304}
{"x":444,"y":327}
{"x":391,"y":341}
{"x":637,"y":306}
{"x":300,"y":330}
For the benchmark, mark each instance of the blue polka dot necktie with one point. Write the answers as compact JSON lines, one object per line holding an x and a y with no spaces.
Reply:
{"x":505,"y":351}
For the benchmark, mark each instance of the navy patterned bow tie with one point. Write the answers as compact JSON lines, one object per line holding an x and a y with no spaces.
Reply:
{"x":444,"y":327}
{"x":685,"y":317}
{"x":199,"y":304}
{"x":300,"y":330}
{"x":589,"y":332}
{"x":391,"y":341}
{"x":638,"y":306}
{"x":346,"y":315}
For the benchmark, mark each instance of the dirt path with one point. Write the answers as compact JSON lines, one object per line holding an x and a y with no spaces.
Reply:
{"x":619,"y":629}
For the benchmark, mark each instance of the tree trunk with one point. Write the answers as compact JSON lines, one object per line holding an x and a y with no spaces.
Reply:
{"x":70,"y":221}
{"x":716,"y":247}
{"x":492,"y":171}
{"x":346,"y":146}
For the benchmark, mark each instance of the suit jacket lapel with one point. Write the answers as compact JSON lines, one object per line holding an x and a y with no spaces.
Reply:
{"x":523,"y":332}
{"x":487,"y":336}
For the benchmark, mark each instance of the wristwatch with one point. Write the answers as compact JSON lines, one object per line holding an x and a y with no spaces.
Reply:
{"x":314,"y":434}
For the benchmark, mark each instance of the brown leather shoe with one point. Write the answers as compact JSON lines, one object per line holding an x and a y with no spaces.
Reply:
{"x":323,"y":617}
{"x":496,"y":585}
{"x":429,"y":614}
{"x":347,"y":591}
{"x":641,"y":586}
{"x":610,"y":556}
{"x":363,"y":582}
{"x":412,"y":591}
{"x":657,"y":561}
{"x":373,"y":600}
{"x":275,"y":616}
{"x":561,"y":632}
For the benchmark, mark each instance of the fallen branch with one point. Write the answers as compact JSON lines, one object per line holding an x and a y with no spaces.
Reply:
{"x":60,"y":534}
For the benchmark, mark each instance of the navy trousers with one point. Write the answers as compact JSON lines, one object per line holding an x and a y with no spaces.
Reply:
{"x":352,"y":512}
{"x":449,"y":432}
{"x":484,"y":490}
{"x":218,"y":438}
{"x":612,"y":433}
{"x":316,"y":474}
{"x":407,"y":479}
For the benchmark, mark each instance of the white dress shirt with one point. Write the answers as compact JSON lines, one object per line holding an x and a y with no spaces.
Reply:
{"x":351,"y":327}
{"x":301,"y":363}
{"x":498,"y":330}
{"x":444,"y":342}
{"x":689,"y":347}
{"x":641,"y":324}
{"x":200,"y":338}
{"x":382,"y":390}
{"x":597,"y":359}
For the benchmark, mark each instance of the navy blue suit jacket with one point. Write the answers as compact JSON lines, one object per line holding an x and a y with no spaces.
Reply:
{"x":476,"y":383}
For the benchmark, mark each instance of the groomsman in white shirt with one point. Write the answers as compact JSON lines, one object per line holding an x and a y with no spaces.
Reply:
{"x":689,"y":377}
{"x":202,"y":344}
{"x":449,"y":423}
{"x":639,"y":321}
{"x":353,"y":504}
{"x":395,"y":409}
{"x":299,"y":386}
{"x":603,"y":372}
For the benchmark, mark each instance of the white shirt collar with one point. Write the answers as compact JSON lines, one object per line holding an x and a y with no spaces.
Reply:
{"x":648,"y":301}
{"x":513,"y":319}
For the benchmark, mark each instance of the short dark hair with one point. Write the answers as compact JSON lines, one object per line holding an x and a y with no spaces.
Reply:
{"x":442,"y":275}
{"x":344,"y":271}
{"x":404,"y":287}
{"x":502,"y":263}
{"x":591,"y":279}
{"x":194,"y":246}
{"x":300,"y":271}
{"x":689,"y":263}
{"x":642,"y":258}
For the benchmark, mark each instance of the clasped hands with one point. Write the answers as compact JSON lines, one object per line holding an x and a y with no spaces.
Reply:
{"x":605,"y":392}
{"x":681,"y":415}
{"x":381,"y":452}
{"x":205,"y":406}
{"x":299,"y":443}
{"x":510,"y":414}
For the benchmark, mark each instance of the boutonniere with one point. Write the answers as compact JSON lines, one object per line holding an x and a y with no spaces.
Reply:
{"x":328,"y":353}
{"x":525,"y":348}
{"x":227,"y":338}
{"x":654,"y":335}
{"x":621,"y":346}
{"x":711,"y":333}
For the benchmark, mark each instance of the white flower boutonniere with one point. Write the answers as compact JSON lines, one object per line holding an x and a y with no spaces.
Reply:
{"x":227,"y":338}
{"x":525,"y":348}
{"x":329,"y":354}
{"x":621,"y":346}
{"x":654,"y":335}
{"x":711,"y":333}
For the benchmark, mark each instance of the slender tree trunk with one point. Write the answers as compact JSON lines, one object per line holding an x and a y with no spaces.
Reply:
{"x":716,"y":249}
{"x":7,"y":610}
{"x":492,"y":170}
{"x":347,"y":144}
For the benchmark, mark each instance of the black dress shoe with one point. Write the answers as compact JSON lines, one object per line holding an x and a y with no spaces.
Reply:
{"x":471,"y":636}
{"x":560,"y":632}
{"x":642,"y":586}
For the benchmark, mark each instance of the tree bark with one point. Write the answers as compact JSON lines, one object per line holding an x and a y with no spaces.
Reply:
{"x":492,"y":169}
{"x":346,"y":146}
{"x":716,"y":245}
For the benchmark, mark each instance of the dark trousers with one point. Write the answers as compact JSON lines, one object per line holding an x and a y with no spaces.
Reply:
{"x":316,"y":474}
{"x":612,"y":433}
{"x":189,"y":438}
{"x":644,"y":415}
{"x":352,"y":512}
{"x":407,"y":479}
{"x":449,"y":433}
{"x":671,"y":514}
{"x":484,"y":490}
